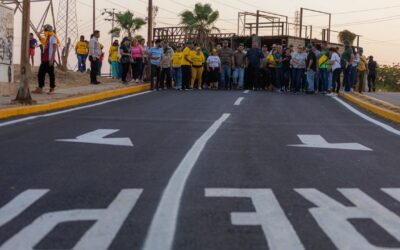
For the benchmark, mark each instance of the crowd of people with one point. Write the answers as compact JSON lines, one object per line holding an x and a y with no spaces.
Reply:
{"x":310,"y":69}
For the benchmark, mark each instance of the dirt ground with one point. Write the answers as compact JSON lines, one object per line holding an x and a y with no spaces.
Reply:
{"x":63,"y":80}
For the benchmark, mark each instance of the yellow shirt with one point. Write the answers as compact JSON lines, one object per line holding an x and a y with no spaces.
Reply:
{"x":186,"y":52}
{"x":82,"y":48}
{"x":177,"y":59}
{"x":362,"y":65}
{"x":113,"y":53}
{"x":271,"y":61}
{"x":197,"y":59}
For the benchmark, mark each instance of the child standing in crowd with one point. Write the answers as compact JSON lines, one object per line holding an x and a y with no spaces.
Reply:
{"x":198,"y":60}
{"x":155,"y":55}
{"x":113,"y":58}
{"x":239,"y":64}
{"x":125,"y":51}
{"x":213,"y":68}
{"x":165,"y":78}
{"x":33,"y":44}
{"x":137,"y":60}
{"x":177,"y":67}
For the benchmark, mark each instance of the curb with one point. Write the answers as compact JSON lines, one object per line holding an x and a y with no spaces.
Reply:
{"x":383,"y":112}
{"x":70,"y":102}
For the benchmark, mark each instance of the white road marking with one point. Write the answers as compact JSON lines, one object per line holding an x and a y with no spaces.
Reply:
{"x":246,"y":91}
{"x":97,"y":137}
{"x":20,"y":204}
{"x":162,"y":229}
{"x":370,"y":119}
{"x":268,"y":214}
{"x":99,"y":236}
{"x":8,"y":123}
{"x":317,"y":141}
{"x":239,"y":101}
{"x":333,"y":217}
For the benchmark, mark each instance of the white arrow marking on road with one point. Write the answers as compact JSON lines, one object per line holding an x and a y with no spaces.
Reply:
{"x":97,"y":137}
{"x":317,"y":141}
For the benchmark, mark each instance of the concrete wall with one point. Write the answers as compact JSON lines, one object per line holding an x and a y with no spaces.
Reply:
{"x":6,"y":44}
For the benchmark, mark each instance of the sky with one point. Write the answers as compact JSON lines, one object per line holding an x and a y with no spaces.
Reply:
{"x":376,"y":21}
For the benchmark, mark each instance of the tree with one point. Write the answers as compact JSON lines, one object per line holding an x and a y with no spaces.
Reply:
{"x":127,"y":23}
{"x":347,"y":36}
{"x":199,"y":23}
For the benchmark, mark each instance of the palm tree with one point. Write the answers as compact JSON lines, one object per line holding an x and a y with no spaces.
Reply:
{"x":128,"y":23}
{"x":199,"y":23}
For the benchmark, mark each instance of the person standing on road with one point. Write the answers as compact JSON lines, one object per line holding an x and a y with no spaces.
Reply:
{"x":323,"y":62}
{"x":177,"y":67}
{"x":347,"y":59}
{"x":165,"y":64}
{"x":137,"y":60}
{"x":187,"y":66}
{"x":47,"y":65}
{"x":254,"y":58}
{"x":33,"y":44}
{"x":113,"y":58}
{"x":239,"y":63}
{"x":372,"y":67}
{"x":155,"y":55}
{"x":278,"y":56}
{"x":81,"y":50}
{"x":336,"y":68}
{"x":286,"y":68}
{"x":311,"y":69}
{"x":213,"y":69}
{"x":197,"y":57}
{"x":265,"y":73}
{"x":94,"y":57}
{"x":125,"y":58}
{"x":226,"y":56}
{"x":361,"y":70}
{"x":298,"y":63}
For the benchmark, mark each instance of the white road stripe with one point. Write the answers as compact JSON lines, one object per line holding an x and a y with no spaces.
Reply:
{"x":246,"y":91}
{"x":239,"y":101}
{"x":162,"y":229}
{"x":370,"y":119}
{"x":70,"y":110}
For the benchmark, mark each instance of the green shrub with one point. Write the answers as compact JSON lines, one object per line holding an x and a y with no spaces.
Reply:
{"x":388,"y":78}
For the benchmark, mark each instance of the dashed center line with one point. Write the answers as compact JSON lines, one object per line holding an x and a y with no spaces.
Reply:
{"x":239,"y":101}
{"x":246,"y":91}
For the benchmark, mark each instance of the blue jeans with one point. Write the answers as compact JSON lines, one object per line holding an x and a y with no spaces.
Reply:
{"x":286,"y":78}
{"x":353,"y":76}
{"x":310,"y":80}
{"x":177,"y":75}
{"x":81,"y":62}
{"x":114,"y":69}
{"x":279,"y":77}
{"x":330,"y":82}
{"x":323,"y":77}
{"x":347,"y":78}
{"x":298,"y":78}
{"x":225,"y":76}
{"x":238,"y":77}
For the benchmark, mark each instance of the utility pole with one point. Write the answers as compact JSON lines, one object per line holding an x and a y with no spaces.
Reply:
{"x":24,"y":95}
{"x":150,"y":23}
{"x":94,"y":15}
{"x":111,"y":13}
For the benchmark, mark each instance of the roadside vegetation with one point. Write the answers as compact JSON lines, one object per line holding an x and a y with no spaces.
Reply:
{"x":388,"y":78}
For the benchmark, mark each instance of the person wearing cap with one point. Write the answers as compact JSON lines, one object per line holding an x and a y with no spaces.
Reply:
{"x":239,"y":59}
{"x":176,"y":59}
{"x":347,"y":59}
{"x":226,"y":56}
{"x":94,"y":57}
{"x":311,"y":68}
{"x":47,"y":64}
{"x":187,"y":66}
{"x":372,"y":67}
{"x":198,"y":60}
{"x":213,"y":68}
{"x":155,"y":55}
{"x":125,"y":58}
{"x":361,"y":70}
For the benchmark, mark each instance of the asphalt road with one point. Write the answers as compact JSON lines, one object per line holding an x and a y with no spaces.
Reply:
{"x":206,"y":171}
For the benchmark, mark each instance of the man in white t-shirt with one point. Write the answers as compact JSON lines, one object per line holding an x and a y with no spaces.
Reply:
{"x":47,"y":65}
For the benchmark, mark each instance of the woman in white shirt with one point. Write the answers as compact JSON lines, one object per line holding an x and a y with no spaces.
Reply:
{"x":213,"y":69}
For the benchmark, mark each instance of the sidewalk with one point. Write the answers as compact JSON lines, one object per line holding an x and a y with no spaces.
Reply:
{"x":384,"y":104}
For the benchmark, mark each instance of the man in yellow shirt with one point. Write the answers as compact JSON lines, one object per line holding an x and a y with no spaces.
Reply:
{"x":82,"y":51}
{"x":176,"y":59}
{"x":187,"y":66}
{"x":197,"y":58}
